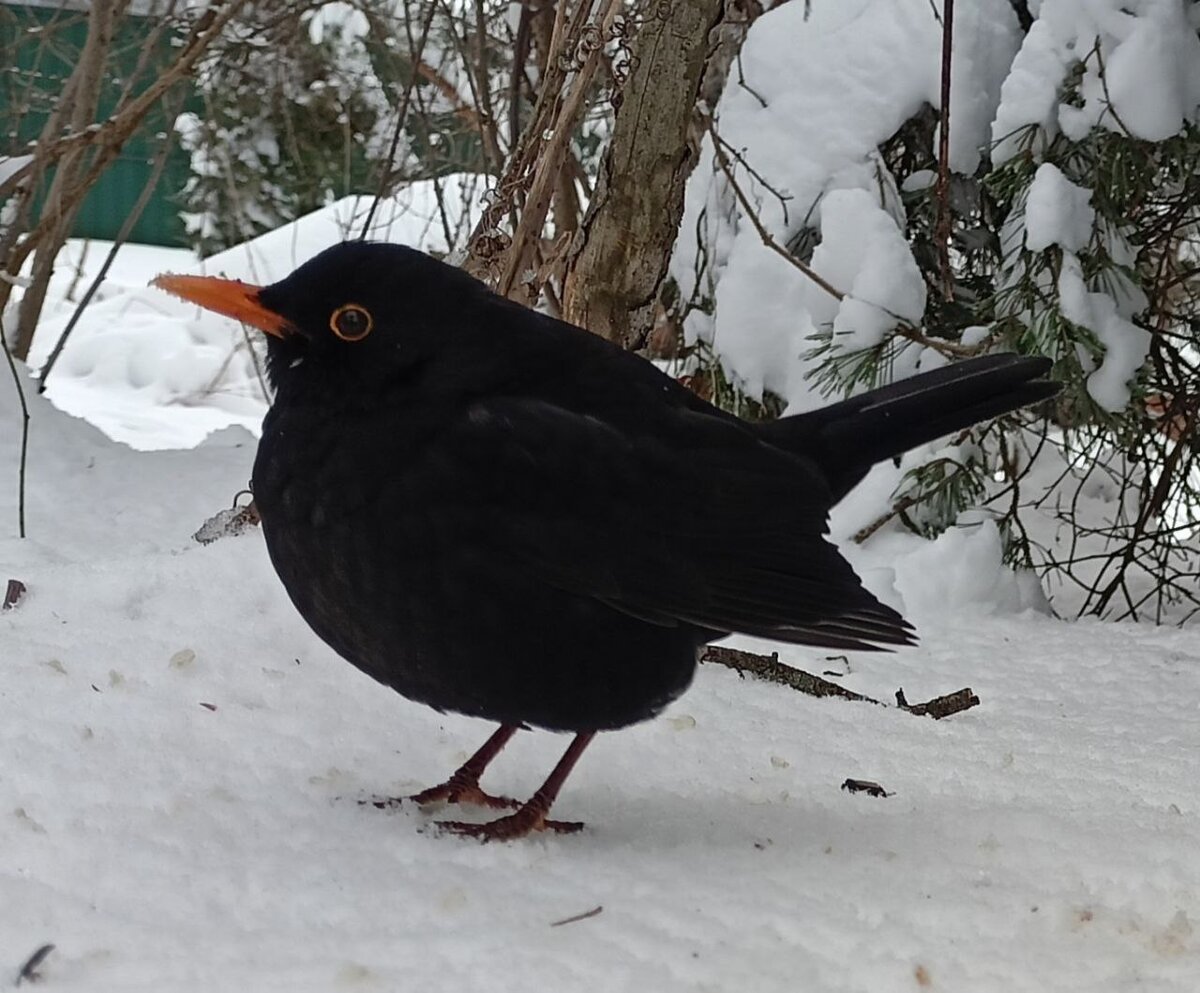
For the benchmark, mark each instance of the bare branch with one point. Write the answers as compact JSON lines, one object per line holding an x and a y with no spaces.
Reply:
{"x":941,"y":191}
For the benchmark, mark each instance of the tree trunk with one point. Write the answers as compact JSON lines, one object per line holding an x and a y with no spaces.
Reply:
{"x":620,"y":253}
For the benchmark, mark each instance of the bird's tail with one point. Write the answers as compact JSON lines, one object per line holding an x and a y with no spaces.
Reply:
{"x":849,"y":437}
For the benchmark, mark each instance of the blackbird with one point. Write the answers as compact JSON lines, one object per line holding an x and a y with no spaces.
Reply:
{"x":501,"y":514}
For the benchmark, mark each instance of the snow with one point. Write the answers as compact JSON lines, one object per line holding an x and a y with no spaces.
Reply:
{"x":818,"y":176}
{"x":1045,"y":840}
{"x":187,"y":770}
{"x":811,"y":140}
{"x":342,"y":20}
{"x":1057,"y":212}
{"x":1125,"y":344}
{"x":154,"y":372}
{"x":10,"y":165}
{"x":1141,"y":73}
{"x":864,"y":251}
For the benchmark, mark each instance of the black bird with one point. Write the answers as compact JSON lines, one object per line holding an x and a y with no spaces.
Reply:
{"x":498,"y":513}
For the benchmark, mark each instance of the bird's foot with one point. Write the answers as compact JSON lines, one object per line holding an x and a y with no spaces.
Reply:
{"x":463,"y":790}
{"x":528,"y":820}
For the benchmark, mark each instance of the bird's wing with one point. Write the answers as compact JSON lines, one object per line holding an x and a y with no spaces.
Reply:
{"x":696,"y":521}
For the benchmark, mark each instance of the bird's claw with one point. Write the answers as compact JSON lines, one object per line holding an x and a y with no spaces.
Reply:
{"x":452,"y":792}
{"x":524,"y":822}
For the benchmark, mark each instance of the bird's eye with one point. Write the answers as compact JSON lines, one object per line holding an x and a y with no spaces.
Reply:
{"x":351,"y":322}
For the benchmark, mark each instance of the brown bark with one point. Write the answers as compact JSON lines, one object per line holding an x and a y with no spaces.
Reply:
{"x":620,"y":253}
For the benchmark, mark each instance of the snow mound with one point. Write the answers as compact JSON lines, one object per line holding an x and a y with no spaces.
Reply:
{"x":154,"y":372}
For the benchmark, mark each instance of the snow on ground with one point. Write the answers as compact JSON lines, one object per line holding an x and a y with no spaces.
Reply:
{"x":182,"y":766}
{"x":155,"y":372}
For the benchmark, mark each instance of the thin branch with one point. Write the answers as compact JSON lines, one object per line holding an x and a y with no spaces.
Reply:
{"x":1102,"y":72}
{"x":28,"y":972}
{"x":940,"y":706}
{"x":116,"y":129}
{"x":738,"y":157}
{"x":537,"y":203}
{"x":523,"y":188}
{"x":941,"y":232}
{"x":16,"y":377}
{"x":385,"y":172}
{"x":751,"y":212}
{"x":106,"y":139}
{"x":769,"y":668}
{"x":903,"y":328}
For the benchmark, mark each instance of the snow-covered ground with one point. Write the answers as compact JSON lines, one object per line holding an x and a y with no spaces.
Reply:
{"x":183,"y":765}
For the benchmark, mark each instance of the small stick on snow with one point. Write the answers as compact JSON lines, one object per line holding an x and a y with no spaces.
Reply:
{"x":12,"y":595}
{"x":769,"y":667}
{"x":940,"y":706}
{"x":865,"y":786}
{"x":28,"y":971}
{"x":578,"y":917}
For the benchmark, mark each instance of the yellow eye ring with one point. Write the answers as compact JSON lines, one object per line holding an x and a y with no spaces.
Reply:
{"x":351,"y":322}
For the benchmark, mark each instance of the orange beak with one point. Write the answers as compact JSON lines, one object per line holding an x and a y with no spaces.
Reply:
{"x":230,"y":297}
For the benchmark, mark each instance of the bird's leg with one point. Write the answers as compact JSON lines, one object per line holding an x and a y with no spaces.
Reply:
{"x":532,"y":814}
{"x":463,"y":786}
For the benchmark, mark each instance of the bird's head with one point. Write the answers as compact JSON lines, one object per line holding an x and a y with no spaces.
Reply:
{"x":358,"y":312}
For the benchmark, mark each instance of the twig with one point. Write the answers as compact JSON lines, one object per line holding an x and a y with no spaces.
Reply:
{"x":950,"y":349}
{"x":905,"y":503}
{"x":940,"y":706}
{"x":577,"y":917}
{"x":769,"y":668}
{"x":941,"y":231}
{"x":537,"y":203}
{"x":1103,"y":74}
{"x":28,"y":972}
{"x":475,"y":71}
{"x":12,"y":367}
{"x":385,"y":173}
{"x":865,"y":786}
{"x":752,"y":213}
{"x":12,"y":594}
{"x":740,"y":159}
{"x":522,"y":194}
{"x":521,"y":45}
{"x":77,"y":275}
{"x":105,"y":139}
